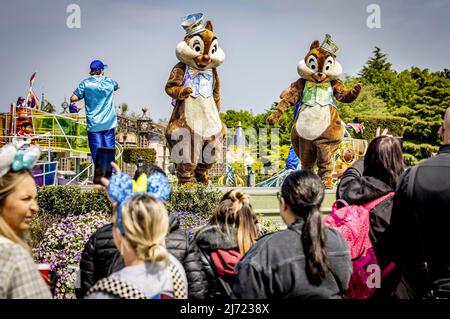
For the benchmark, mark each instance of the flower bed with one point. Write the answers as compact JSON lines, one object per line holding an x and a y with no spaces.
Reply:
{"x":59,"y":239}
{"x":62,"y":247}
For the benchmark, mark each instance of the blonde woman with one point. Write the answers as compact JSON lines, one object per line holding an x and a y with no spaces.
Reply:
{"x":19,"y":276}
{"x":230,"y":233}
{"x":140,"y":227}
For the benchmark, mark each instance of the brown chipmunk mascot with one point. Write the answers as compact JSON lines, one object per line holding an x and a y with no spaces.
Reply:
{"x":317,"y":130}
{"x":195,"y":132}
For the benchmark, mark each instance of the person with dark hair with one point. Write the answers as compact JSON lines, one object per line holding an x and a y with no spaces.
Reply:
{"x":26,"y":129}
{"x":417,"y":238}
{"x":372,"y":177}
{"x":306,"y":260}
{"x":21,"y":102}
{"x":101,"y":258}
{"x":98,"y":94}
{"x":231,"y":231}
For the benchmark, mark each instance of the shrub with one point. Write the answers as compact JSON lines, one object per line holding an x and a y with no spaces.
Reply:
{"x":62,"y":247}
{"x":267,"y":225}
{"x":131,"y":155}
{"x":418,"y":151}
{"x":371,"y":123}
{"x":71,"y":200}
{"x":198,"y":200}
{"x":191,"y":222}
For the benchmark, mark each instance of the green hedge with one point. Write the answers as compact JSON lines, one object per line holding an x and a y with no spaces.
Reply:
{"x":71,"y":200}
{"x":414,"y":152}
{"x":194,"y":205}
{"x":371,"y":123}
{"x":131,"y":155}
{"x":197,"y":199}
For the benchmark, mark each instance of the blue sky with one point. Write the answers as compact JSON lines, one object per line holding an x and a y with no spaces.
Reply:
{"x":263,"y":41}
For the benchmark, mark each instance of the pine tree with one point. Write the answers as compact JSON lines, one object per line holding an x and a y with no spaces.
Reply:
{"x":425,"y":114}
{"x":373,"y":71}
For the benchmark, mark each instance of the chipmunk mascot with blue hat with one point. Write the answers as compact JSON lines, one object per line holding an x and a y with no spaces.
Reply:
{"x":195,"y":132}
{"x":317,"y":130}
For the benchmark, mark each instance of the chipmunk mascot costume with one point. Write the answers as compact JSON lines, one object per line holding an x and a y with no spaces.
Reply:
{"x":195,"y":132}
{"x":317,"y":130}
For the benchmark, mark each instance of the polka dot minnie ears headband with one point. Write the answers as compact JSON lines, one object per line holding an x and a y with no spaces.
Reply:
{"x":122,"y":187}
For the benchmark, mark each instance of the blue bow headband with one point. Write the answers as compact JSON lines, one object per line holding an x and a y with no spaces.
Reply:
{"x":15,"y":159}
{"x":122,"y":187}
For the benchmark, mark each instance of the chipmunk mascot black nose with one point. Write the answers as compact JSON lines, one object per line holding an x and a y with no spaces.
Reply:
{"x":317,"y":130}
{"x":195,"y":132}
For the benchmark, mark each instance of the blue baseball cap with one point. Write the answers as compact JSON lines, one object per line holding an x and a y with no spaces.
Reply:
{"x":98,"y":65}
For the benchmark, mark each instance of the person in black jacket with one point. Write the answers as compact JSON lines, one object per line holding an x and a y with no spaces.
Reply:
{"x":419,"y":226}
{"x":306,"y":260}
{"x":374,"y":176}
{"x":230,"y":233}
{"x":100,"y":257}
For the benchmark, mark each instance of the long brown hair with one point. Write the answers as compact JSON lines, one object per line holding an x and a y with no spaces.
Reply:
{"x":8,"y":185}
{"x":235,"y":210}
{"x":384,"y":160}
{"x":303,"y":192}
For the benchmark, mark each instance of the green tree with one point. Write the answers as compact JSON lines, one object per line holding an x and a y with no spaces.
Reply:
{"x":375,"y":67}
{"x":231,"y":118}
{"x":424,"y":113}
{"x":367,"y":103}
{"x":123,"y":109}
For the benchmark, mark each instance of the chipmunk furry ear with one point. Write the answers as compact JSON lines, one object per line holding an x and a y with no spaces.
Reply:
{"x":209,"y":26}
{"x":314,"y":45}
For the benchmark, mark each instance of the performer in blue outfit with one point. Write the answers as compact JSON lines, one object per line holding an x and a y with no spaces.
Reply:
{"x":98,"y":94}
{"x":292,"y":160}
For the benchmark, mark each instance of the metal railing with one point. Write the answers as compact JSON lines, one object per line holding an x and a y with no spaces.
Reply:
{"x":89,"y":170}
{"x":46,"y":173}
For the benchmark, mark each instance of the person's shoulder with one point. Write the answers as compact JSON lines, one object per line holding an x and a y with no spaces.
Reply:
{"x":13,"y":254}
{"x":102,"y":234}
{"x":272,"y":240}
{"x":7,"y":245}
{"x":108,"y":79}
{"x":87,"y":80}
{"x":336,"y":243}
{"x":176,"y":262}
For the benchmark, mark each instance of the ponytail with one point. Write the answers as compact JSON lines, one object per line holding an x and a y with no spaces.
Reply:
{"x":313,"y":240}
{"x":235,"y":210}
{"x":303,"y":192}
{"x":152,"y":253}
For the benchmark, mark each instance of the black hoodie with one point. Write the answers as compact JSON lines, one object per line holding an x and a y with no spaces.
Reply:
{"x":356,"y":189}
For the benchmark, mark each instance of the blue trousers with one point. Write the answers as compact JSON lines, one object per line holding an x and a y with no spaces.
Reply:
{"x":101,"y":139}
{"x":292,"y":159}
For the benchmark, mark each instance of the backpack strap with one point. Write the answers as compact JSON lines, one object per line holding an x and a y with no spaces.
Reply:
{"x":118,"y":288}
{"x":335,"y":205}
{"x":225,"y":285}
{"x":179,"y":289}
